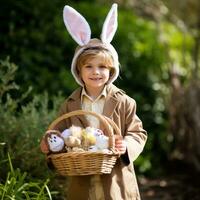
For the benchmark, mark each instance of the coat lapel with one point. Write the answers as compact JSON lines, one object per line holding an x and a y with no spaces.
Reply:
{"x":110,"y":104}
{"x":75,"y":104}
{"x":109,"y":107}
{"x":111,"y":101}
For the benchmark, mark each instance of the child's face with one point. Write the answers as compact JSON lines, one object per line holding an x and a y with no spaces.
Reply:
{"x":94,"y":74}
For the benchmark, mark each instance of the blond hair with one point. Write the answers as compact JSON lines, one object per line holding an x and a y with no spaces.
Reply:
{"x":95,"y":52}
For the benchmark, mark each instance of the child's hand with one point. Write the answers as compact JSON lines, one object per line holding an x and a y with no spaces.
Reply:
{"x":120,"y":144}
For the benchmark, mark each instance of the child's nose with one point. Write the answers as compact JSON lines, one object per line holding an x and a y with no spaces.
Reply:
{"x":96,"y":70}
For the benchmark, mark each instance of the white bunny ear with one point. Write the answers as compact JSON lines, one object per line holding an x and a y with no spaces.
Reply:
{"x":76,"y":25}
{"x":110,"y":25}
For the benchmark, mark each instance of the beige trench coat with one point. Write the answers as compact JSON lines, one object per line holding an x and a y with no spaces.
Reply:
{"x":121,"y":184}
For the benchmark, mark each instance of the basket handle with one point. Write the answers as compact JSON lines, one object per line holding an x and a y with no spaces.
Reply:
{"x":107,"y":122}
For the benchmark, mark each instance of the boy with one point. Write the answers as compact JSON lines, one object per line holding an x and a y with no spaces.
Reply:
{"x":95,"y":67}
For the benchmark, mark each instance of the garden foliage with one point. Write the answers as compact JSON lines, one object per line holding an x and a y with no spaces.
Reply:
{"x":23,"y":123}
{"x":34,"y":36}
{"x":17,"y":187}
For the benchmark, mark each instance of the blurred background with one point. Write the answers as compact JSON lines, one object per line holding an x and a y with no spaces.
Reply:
{"x":158,"y":42}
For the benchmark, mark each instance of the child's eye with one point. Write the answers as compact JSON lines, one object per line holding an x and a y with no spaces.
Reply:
{"x":88,"y":66}
{"x":102,"y":67}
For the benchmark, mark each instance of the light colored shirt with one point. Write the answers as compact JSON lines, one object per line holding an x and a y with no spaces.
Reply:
{"x":96,"y":106}
{"x":96,"y":189}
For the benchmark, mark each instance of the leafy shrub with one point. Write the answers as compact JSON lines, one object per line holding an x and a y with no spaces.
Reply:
{"x":16,"y":186}
{"x":23,"y":122}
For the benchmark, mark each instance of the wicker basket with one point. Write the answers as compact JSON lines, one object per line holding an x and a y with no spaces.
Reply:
{"x":86,"y":163}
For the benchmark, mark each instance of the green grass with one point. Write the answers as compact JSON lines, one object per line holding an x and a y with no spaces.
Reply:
{"x":16,"y":187}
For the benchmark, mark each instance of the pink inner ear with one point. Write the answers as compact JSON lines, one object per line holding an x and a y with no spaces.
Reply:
{"x":110,"y":26}
{"x":77,"y":27}
{"x":83,"y":36}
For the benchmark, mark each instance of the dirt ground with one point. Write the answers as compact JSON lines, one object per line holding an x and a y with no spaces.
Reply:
{"x":177,"y":184}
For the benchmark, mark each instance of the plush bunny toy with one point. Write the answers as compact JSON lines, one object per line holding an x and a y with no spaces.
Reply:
{"x":72,"y":138}
{"x":79,"y":29}
{"x":101,"y":141}
{"x":54,"y":141}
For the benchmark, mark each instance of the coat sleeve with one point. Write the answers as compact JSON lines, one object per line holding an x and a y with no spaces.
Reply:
{"x":135,"y":136}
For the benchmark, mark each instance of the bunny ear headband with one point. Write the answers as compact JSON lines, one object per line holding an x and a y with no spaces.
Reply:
{"x":80,"y":31}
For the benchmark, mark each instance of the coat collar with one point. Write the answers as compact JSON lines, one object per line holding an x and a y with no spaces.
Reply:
{"x":110,"y":102}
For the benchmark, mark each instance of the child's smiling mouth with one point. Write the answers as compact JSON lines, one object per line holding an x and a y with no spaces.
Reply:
{"x":95,"y":79}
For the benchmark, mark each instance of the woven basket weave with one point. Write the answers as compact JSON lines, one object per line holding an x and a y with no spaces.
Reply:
{"x":86,"y":163}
